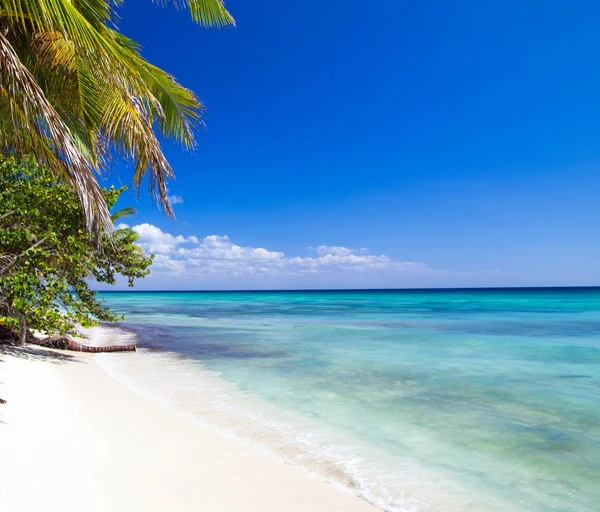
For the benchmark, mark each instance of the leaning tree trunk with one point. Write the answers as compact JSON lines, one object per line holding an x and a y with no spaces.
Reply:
{"x":66,"y":343}
{"x":74,"y":345}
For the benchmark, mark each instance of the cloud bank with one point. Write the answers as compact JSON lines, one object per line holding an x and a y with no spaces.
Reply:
{"x":215,"y":261}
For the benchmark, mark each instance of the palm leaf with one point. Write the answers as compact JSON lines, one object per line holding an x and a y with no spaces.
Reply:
{"x":208,"y":13}
{"x":128,"y":211}
{"x":29,"y":108}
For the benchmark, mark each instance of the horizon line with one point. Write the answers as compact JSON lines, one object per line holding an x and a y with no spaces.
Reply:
{"x":295,"y":290}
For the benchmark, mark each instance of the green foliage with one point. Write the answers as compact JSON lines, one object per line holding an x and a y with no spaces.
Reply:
{"x":47,"y":257}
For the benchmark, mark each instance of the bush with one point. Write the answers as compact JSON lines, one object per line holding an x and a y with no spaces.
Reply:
{"x":47,"y":258}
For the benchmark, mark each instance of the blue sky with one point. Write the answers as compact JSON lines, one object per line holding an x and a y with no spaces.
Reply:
{"x":388,"y":144}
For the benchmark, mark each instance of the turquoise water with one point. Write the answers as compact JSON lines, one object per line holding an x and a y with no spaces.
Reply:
{"x":417,"y":400}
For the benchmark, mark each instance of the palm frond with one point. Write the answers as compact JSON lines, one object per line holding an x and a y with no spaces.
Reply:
{"x":126,"y":121}
{"x":29,"y":109}
{"x":128,"y":211}
{"x":180,"y":110}
{"x":208,"y":13}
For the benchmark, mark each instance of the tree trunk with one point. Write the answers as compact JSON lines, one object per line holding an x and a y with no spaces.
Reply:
{"x":2,"y":401}
{"x":74,"y":345}
{"x":23,"y":331}
{"x":66,"y":343}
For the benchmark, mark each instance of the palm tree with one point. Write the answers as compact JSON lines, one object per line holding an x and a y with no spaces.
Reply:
{"x":74,"y":92}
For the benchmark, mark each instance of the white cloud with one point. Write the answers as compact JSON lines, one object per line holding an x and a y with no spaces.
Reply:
{"x":175,"y":199}
{"x":216,"y":247}
{"x":324,"y":250}
{"x":154,"y":240}
{"x":218,"y":256}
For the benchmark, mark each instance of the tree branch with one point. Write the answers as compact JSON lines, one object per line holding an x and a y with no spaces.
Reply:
{"x":8,"y":214}
{"x":17,"y":258}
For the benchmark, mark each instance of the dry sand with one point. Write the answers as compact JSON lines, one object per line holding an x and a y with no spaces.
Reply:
{"x":74,"y":439}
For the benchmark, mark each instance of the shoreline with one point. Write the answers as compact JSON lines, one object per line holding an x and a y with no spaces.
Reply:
{"x":83,"y":441}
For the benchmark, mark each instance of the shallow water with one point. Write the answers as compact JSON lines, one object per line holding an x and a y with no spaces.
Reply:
{"x":417,"y":400}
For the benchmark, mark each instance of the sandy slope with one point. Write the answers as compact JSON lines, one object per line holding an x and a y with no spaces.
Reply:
{"x":72,"y":438}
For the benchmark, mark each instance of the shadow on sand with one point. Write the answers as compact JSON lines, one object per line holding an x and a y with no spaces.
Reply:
{"x":37,"y":353}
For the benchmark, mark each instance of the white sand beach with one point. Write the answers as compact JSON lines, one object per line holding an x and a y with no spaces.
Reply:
{"x":74,"y":439}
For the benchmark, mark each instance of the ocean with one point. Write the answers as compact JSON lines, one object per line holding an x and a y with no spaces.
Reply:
{"x":416,"y":400}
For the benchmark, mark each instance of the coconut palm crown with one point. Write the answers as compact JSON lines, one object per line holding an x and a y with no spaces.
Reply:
{"x":75,"y":93}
